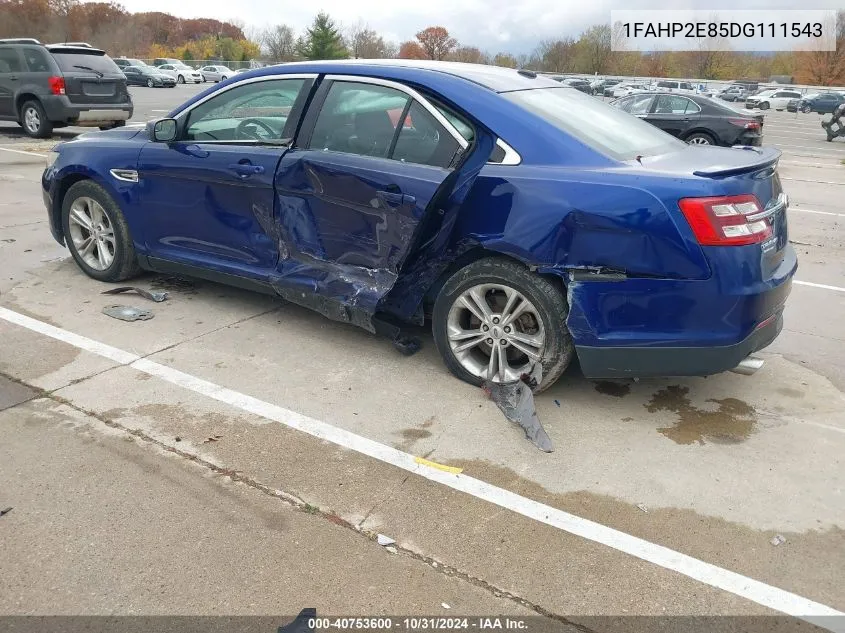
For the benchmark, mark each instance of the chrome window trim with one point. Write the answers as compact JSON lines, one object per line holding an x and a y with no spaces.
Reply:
{"x":184,"y":113}
{"x":511,"y":158}
{"x":413,"y":94}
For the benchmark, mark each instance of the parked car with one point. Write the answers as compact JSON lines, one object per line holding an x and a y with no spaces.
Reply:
{"x":181,"y":73}
{"x":44,"y":87}
{"x":625,"y":89}
{"x":609,"y":85}
{"x":216,"y":73}
{"x":639,"y":253}
{"x":776,"y":99}
{"x":161,"y":61}
{"x":579,"y":84}
{"x":123,"y":62}
{"x":148,"y":76}
{"x":822,"y":102}
{"x":694,"y":119}
{"x":670,"y":85}
{"x":734,"y":93}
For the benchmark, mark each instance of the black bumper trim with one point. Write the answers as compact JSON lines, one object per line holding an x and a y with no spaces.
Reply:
{"x":627,"y":362}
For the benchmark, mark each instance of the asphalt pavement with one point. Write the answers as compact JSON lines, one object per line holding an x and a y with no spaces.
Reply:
{"x":261,"y":449}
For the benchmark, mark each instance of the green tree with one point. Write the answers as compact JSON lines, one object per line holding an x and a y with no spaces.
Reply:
{"x":187,"y":56}
{"x":323,"y":40}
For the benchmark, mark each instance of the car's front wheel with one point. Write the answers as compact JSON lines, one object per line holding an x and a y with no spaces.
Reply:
{"x":494,"y":319}
{"x":34,"y":120}
{"x":96,"y":233}
{"x":764,"y":105}
{"x":806,"y":108}
{"x":150,"y":83}
{"x":223,"y":78}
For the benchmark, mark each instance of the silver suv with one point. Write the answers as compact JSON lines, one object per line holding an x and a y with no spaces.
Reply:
{"x":45,"y":87}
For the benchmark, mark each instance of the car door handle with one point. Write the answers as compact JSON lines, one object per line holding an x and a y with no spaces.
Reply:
{"x":246,"y":169}
{"x":13,"y":77}
{"x":396,"y":198}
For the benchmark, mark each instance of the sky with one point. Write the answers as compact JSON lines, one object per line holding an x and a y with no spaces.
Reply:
{"x":513,"y":26}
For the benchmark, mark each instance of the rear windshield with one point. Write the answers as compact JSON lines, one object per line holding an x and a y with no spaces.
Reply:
{"x":604,"y":128}
{"x":98,"y":61}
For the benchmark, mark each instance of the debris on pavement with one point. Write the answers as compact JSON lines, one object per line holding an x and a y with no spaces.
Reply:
{"x":5,"y":511}
{"x":455,"y":470}
{"x":516,"y":401}
{"x":212,"y":438}
{"x":158,"y":297}
{"x":445,"y":606}
{"x":777,"y":539}
{"x":557,"y":402}
{"x":405,"y":343}
{"x":384,"y":540}
{"x":127,"y":313}
{"x":642,"y":507}
{"x":391,"y":549}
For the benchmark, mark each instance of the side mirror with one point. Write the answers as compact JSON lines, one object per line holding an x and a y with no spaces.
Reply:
{"x":164,"y":130}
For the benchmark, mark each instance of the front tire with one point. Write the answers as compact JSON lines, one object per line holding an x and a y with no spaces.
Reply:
{"x":223,"y":78}
{"x":764,"y":105}
{"x":494,"y":319}
{"x":806,"y":109}
{"x":34,"y":120}
{"x":150,"y":83}
{"x":96,"y":233}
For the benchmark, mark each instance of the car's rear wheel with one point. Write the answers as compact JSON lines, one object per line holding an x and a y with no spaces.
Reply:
{"x":806,"y":108}
{"x":34,"y":120}
{"x":180,"y":79}
{"x":494,"y":319}
{"x":700,"y":138}
{"x":97,"y":234}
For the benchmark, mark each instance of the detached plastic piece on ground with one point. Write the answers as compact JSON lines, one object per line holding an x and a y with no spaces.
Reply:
{"x":301,"y":623}
{"x":516,"y":401}
{"x":128,"y":313}
{"x":835,"y":127}
{"x":158,"y":297}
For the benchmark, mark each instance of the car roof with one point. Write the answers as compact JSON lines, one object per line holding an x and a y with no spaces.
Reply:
{"x":496,"y":78}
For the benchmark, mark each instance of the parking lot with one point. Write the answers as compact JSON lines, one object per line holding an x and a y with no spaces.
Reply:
{"x":260,"y":447}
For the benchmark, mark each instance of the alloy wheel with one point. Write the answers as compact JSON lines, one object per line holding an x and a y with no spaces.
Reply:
{"x":699,"y":140}
{"x":32,"y":120}
{"x":92,"y":233}
{"x":495,"y":332}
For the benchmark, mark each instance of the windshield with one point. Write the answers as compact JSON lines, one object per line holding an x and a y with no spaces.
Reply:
{"x":601,"y":126}
{"x":76,"y":62}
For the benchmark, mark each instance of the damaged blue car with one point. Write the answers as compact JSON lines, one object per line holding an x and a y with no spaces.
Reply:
{"x":527,"y":221}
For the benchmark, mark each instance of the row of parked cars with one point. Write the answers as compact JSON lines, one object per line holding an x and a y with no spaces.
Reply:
{"x":167,"y":72}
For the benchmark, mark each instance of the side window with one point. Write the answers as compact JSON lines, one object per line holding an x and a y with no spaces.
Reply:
{"x":10,"y":62}
{"x":624,"y":104}
{"x":252,"y":112}
{"x":423,"y":140}
{"x":671,"y":104}
{"x":36,"y":60}
{"x":640,"y":104}
{"x":692,"y":107}
{"x":358,"y":118}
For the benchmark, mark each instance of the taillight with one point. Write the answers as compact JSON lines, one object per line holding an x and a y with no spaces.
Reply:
{"x":57,"y":85}
{"x":748,"y":125}
{"x":726,"y":220}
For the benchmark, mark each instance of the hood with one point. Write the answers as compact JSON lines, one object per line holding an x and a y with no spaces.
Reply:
{"x":125,"y":133}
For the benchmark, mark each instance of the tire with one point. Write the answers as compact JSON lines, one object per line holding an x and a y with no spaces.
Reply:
{"x":549,"y":305}
{"x":223,"y":78}
{"x":34,"y":120}
{"x":806,"y":109}
{"x":124,"y":262}
{"x":150,"y":83}
{"x":700,"y":138}
{"x":764,"y":105}
{"x":180,"y":79}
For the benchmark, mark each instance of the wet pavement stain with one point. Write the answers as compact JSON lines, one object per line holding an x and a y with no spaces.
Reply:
{"x":414,"y":434}
{"x":174,"y":284}
{"x":616,"y":389}
{"x":790,"y":392}
{"x":732,"y":422}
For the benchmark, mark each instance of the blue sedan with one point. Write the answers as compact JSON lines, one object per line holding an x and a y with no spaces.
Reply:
{"x":529,"y":222}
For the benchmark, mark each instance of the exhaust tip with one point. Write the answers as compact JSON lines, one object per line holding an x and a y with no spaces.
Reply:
{"x":748,"y":366}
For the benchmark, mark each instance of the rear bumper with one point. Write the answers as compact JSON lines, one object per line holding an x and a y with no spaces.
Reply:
{"x":622,"y":362}
{"x":60,"y":109}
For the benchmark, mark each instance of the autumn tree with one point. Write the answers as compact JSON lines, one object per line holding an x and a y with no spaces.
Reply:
{"x":556,"y":56}
{"x":468,"y":54}
{"x":436,"y":42}
{"x":322,"y":40}
{"x":279,"y":42}
{"x":824,"y":67}
{"x":411,"y":50}
{"x":505,"y":59}
{"x":595,"y":49}
{"x":364,"y":43}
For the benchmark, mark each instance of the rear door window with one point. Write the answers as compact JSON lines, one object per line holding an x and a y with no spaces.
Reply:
{"x":36,"y":60}
{"x":76,"y":62}
{"x":423,"y":140}
{"x":672,"y":104}
{"x":10,"y":61}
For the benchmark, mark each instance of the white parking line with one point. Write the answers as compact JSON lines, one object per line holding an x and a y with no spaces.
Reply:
{"x":20,"y":151}
{"x":787,"y":146}
{"x":836,"y":215}
{"x":824,"y":286}
{"x":820,"y":182}
{"x":737,"y":584}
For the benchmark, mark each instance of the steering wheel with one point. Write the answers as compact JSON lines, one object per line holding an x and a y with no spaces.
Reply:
{"x":243,"y":131}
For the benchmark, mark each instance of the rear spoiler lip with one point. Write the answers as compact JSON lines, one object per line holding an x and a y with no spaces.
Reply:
{"x":769,"y":157}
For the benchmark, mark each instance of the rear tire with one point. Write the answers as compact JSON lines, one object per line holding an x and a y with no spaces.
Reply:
{"x":180,"y":79}
{"x":87,"y":204}
{"x":806,"y":109}
{"x":34,"y":120}
{"x":700,"y":138}
{"x":544,"y":320}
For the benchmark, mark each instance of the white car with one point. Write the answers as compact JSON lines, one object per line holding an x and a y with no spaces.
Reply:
{"x":216,"y":73}
{"x":181,"y":73}
{"x":623,"y":90}
{"x":776,"y":99}
{"x":669,"y":85}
